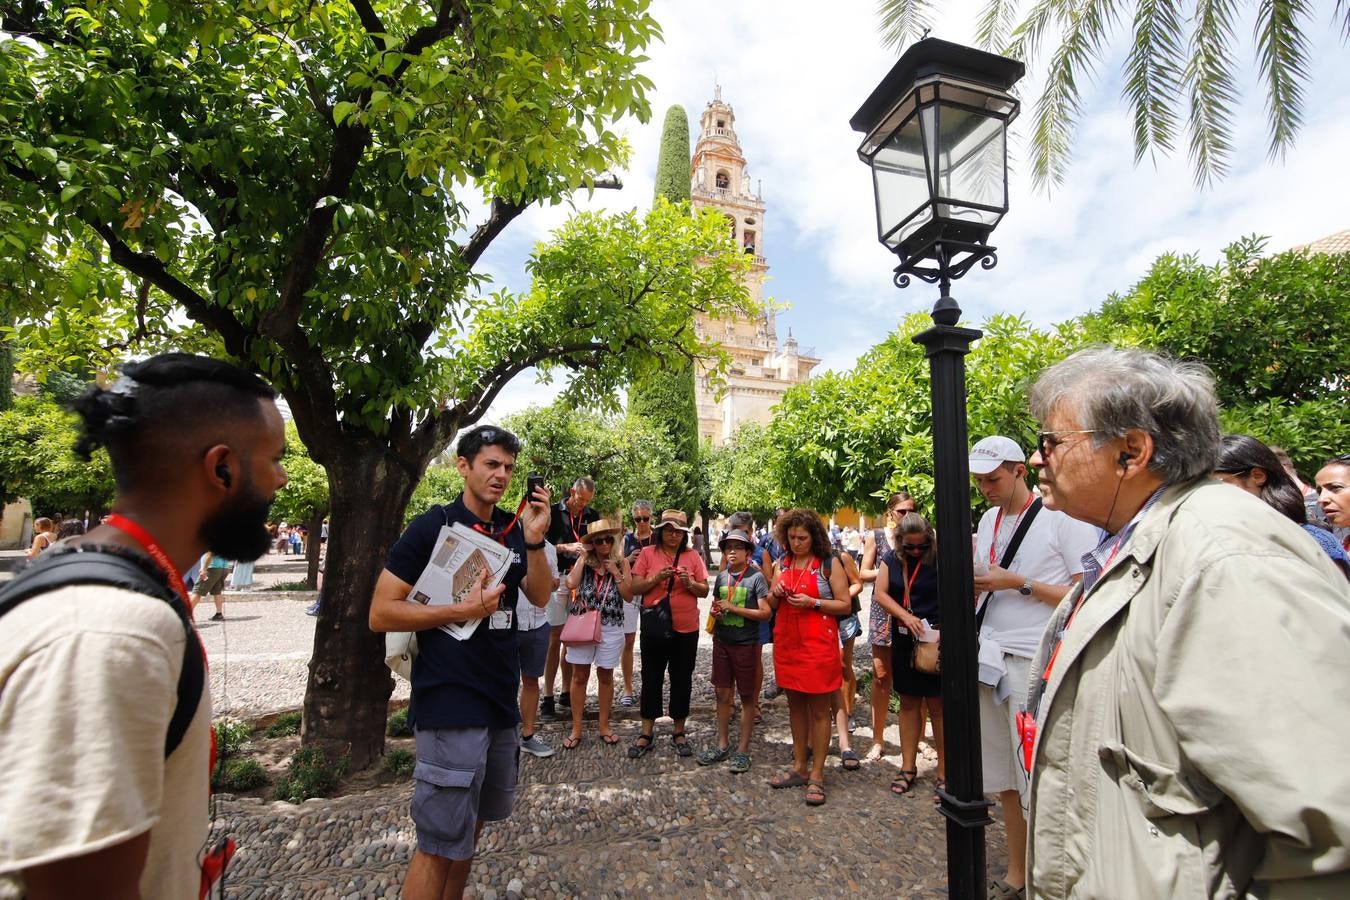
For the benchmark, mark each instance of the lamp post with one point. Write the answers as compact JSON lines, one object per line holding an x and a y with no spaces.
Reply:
{"x":936,"y":141}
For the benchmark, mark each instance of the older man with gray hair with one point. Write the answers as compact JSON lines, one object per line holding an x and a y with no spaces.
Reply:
{"x":1186,"y":724}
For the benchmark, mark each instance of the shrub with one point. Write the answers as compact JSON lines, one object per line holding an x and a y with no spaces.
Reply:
{"x":235,"y":775}
{"x":400,"y":762}
{"x":231,"y":736}
{"x":398,"y":724}
{"x":286,"y":724}
{"x":311,"y":775}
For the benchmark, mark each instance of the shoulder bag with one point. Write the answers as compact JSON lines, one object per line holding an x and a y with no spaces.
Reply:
{"x":926,"y":656}
{"x":582,"y":628}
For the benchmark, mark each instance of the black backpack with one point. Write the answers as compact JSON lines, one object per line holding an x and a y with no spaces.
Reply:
{"x":62,"y":567}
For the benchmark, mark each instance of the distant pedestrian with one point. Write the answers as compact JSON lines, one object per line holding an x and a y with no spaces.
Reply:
{"x":241,"y":578}
{"x":214,"y":570}
{"x":44,"y":536}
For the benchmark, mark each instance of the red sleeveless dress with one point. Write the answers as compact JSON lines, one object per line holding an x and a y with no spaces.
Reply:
{"x":806,"y":642}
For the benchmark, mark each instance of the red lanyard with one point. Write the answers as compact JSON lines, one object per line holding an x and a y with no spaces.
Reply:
{"x":575,"y":520}
{"x":153,"y":550}
{"x":500,"y":536}
{"x":731,"y":588}
{"x":909,"y":585}
{"x":601,"y":580}
{"x":1073,"y":613}
{"x":998,"y":522}
{"x":797,"y":574}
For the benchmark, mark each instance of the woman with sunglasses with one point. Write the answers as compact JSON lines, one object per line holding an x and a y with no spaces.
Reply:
{"x":906,"y":587}
{"x":599,"y":581}
{"x":877,"y":543}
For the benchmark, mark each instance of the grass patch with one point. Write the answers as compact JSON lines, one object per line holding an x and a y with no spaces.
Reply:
{"x":286,"y":725}
{"x":311,"y":775}
{"x":400,"y":762}
{"x":237,"y":775}
{"x":291,"y":586}
{"x":398,"y":724}
{"x":231,"y":736}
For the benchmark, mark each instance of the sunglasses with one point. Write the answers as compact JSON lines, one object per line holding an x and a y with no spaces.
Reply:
{"x":1047,"y":441}
{"x":642,"y":518}
{"x":922,"y":548}
{"x":603,"y":540}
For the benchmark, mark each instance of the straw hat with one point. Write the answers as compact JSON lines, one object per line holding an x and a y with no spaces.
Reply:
{"x":599,"y":528}
{"x":673,"y":518}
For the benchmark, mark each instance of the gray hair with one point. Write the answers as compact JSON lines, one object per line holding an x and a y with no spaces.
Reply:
{"x":642,"y":505}
{"x":1112,"y":391}
{"x":584,"y":484}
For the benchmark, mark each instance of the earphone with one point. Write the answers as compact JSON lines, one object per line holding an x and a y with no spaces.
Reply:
{"x":1123,"y":459}
{"x":223,"y":473}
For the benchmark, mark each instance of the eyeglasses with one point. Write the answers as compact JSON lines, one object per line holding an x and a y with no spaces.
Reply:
{"x":1047,"y":441}
{"x":642,"y":518}
{"x":903,"y":510}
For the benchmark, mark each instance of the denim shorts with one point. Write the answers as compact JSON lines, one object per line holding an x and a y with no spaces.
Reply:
{"x":849,"y":628}
{"x":532,"y":646}
{"x":463,"y":776}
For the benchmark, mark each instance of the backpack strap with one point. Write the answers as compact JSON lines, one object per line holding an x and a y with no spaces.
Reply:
{"x":1008,"y":556}
{"x":59,"y":569}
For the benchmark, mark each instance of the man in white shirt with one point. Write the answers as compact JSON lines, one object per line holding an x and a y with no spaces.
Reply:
{"x":533,"y":631}
{"x":1047,"y":564}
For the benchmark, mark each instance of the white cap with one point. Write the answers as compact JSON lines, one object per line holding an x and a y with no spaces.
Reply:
{"x":990,"y":453}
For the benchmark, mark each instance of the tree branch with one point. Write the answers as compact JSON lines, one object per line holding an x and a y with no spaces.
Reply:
{"x":370,"y":21}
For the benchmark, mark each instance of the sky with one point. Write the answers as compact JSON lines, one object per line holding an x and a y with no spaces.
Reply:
{"x":794,"y":76}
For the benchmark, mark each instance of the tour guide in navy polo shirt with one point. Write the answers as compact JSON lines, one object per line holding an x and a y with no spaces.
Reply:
{"x":464,"y":692}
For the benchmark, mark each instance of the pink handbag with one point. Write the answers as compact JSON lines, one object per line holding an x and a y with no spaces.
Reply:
{"x":582,"y":629}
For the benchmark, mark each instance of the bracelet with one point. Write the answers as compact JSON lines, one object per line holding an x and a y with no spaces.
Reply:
{"x":538,"y":546}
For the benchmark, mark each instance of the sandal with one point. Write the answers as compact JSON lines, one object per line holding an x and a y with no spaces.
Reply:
{"x":904,"y":781}
{"x":875,"y":753}
{"x":849,"y":762}
{"x":713,"y":755}
{"x":609,"y":738}
{"x":1001,"y":890}
{"x":681,"y":743}
{"x":740,"y":762}
{"x":788,"y":779}
{"x":641,"y":746}
{"x":940,"y":786}
{"x":815,"y":793}
{"x":571,"y":742}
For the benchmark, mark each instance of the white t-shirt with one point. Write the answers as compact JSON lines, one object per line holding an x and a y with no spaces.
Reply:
{"x":1052,"y":553}
{"x":529,"y":616}
{"x":88,"y":683}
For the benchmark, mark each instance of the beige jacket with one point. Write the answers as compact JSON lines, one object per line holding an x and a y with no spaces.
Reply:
{"x":1194,"y":739}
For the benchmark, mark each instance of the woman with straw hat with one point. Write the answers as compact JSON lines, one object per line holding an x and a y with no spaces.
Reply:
{"x":668,"y":572}
{"x":599,"y":582}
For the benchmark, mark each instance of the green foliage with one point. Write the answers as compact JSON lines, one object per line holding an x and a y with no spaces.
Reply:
{"x":63,"y":387}
{"x":236,"y":775}
{"x":740,"y":473}
{"x":627,"y":456}
{"x":672,"y":165}
{"x":1174,"y":52}
{"x":285,"y":725}
{"x":37,"y":460}
{"x":400,"y":762}
{"x":440,"y":485}
{"x":231,"y":736}
{"x":305,"y":496}
{"x":851,"y":439}
{"x":310,"y":774}
{"x":6,"y":367}
{"x":398,"y":723}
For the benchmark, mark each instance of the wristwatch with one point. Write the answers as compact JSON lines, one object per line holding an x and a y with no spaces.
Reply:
{"x":817,"y":603}
{"x":1025,"y":589}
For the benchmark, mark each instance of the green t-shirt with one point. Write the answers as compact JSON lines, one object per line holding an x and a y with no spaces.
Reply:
{"x":745,"y":593}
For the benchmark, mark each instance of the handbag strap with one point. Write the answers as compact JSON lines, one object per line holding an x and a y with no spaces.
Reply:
{"x":1008,"y":556}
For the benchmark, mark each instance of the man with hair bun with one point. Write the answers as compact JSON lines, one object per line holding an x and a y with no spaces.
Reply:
{"x":1185,"y":726}
{"x":105,"y":726}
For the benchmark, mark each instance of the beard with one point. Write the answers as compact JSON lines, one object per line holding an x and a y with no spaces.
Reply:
{"x":238,"y":530}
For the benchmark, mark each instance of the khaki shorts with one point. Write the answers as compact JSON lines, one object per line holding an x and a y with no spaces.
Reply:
{"x":998,"y":732}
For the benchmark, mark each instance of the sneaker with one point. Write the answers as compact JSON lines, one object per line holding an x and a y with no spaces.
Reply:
{"x":218,"y":617}
{"x":312,"y":609}
{"x":536,"y":746}
{"x":565,"y":699}
{"x":546,"y":708}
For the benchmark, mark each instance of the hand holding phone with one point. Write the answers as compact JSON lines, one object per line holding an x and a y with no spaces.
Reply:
{"x":535,"y":480}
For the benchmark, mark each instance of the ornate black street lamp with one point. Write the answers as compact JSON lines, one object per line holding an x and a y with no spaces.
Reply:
{"x":936,"y":140}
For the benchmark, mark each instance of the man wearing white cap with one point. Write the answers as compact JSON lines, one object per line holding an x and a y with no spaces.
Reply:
{"x":1016,"y":592}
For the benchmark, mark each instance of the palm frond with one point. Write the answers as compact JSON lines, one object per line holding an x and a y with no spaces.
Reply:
{"x":1058,"y":109}
{"x":903,"y":21}
{"x":1025,"y":41}
{"x":1153,"y":75}
{"x":1282,"y":51}
{"x":996,"y":24}
{"x":1343,"y":13}
{"x":1209,"y":81}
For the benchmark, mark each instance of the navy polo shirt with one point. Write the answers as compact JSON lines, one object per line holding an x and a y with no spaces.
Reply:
{"x":462,"y":684}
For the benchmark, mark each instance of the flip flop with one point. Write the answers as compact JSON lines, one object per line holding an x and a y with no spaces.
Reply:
{"x":874,"y":754}
{"x":682,"y":747}
{"x":904,"y":782}
{"x":571,"y":742}
{"x":788,"y":779}
{"x":610,"y":738}
{"x":815,"y":793}
{"x":849,"y":762}
{"x":641,"y":747}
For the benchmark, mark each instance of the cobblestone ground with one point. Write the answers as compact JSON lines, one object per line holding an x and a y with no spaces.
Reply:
{"x":588,"y":822}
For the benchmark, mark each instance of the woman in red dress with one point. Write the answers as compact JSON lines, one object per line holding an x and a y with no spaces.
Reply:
{"x":806,"y":643}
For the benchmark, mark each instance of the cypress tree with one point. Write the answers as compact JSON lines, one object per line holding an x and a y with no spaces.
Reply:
{"x":664,"y":394}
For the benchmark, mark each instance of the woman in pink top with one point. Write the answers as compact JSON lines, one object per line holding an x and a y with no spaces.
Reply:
{"x":668,"y":571}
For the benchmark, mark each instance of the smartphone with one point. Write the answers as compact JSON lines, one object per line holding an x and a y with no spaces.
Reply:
{"x":535,"y":480}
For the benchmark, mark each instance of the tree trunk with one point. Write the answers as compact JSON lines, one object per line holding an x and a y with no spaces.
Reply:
{"x":314,"y":528}
{"x":347,"y":698}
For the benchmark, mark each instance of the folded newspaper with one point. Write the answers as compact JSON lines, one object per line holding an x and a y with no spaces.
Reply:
{"x":459,"y":557}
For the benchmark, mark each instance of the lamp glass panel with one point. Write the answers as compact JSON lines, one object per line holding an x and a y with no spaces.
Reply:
{"x":901,"y":183}
{"x":970,"y":165}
